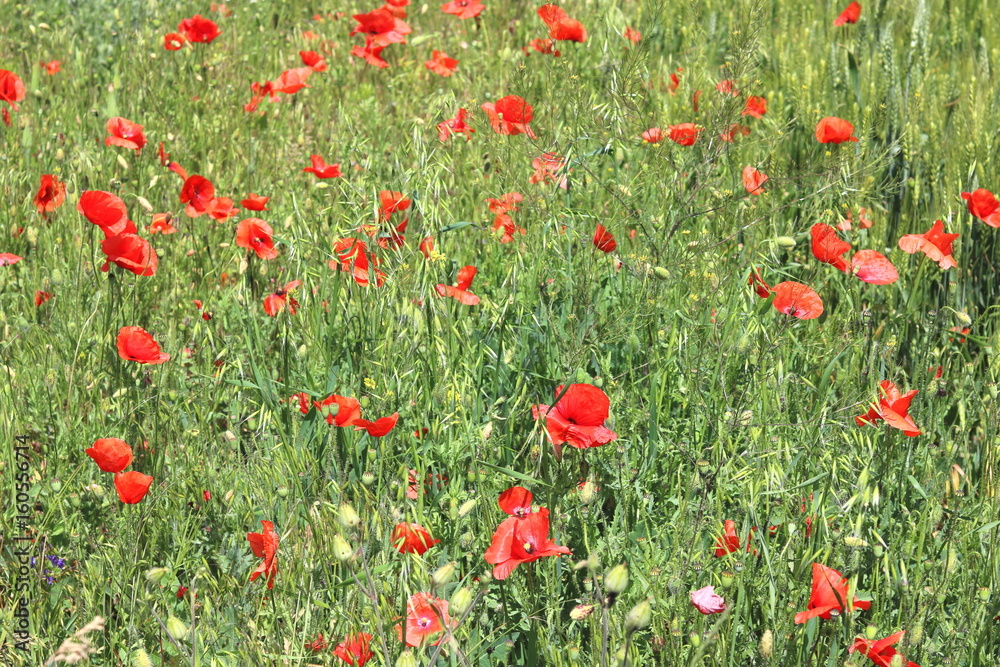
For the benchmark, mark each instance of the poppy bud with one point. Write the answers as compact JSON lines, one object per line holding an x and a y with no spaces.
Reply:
{"x":620,"y":657}
{"x":341,"y":548}
{"x":487,"y":430}
{"x":639,"y":618}
{"x":443,"y":574}
{"x":661,"y":273}
{"x":367,"y":478}
{"x":176,"y":628}
{"x":581,"y":611}
{"x":453,"y":509}
{"x":854,"y":542}
{"x":143,"y":202}
{"x":871,"y":631}
{"x":229,"y":496}
{"x":97,"y":490}
{"x":766,"y":644}
{"x":406,"y":659}
{"x":897,"y":660}
{"x":785,"y":241}
{"x":467,"y":507}
{"x":348,"y":517}
{"x":916,"y":634}
{"x":141,"y":659}
{"x":963,"y":317}
{"x":587,"y":492}
{"x":615,"y":581}
{"x":155,"y":574}
{"x":695,"y":639}
{"x":461,"y":601}
{"x":122,"y":163}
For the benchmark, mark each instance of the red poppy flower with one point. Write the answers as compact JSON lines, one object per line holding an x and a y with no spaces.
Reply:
{"x":391,"y":202}
{"x":132,"y":486}
{"x":348,"y":410}
{"x":984,"y":206}
{"x":726,"y":87}
{"x":377,"y":428}
{"x":459,"y":291}
{"x":353,"y":257}
{"x":321,"y":169}
{"x":371,"y":53}
{"x":561,"y":26}
{"x":729,"y":541}
{"x":174,"y":41}
{"x":11,"y":89}
{"x":412,"y":538}
{"x":291,"y":81}
{"x":759,"y":286}
{"x":41,"y":297}
{"x":198,"y":29}
{"x":873,"y":268}
{"x":603,"y":239}
{"x":684,"y":134}
{"x":521,"y":540}
{"x":161,"y":224}
{"x":265,"y":545}
{"x":754,"y":180}
{"x":441,"y":64}
{"x":456,"y":125}
{"x":222,"y":208}
{"x":510,"y":115}
{"x":317,"y":644}
{"x":382,"y":27}
{"x":505,"y":223}
{"x":179,"y":170}
{"x":516,"y":501}
{"x":963,"y":331}
{"x":107,"y":211}
{"x":833,"y":130}
{"x":850,"y":15}
{"x":427,"y":246}
{"x":181,"y":592}
{"x":543,"y":46}
{"x":733,"y":130}
{"x":354,"y":650}
{"x":124,"y":133}
{"x":893,"y":407}
{"x":653,"y":135}
{"x":426,"y":619}
{"x":506,"y":203}
{"x":313,"y":61}
{"x":845,"y":224}
{"x":828,"y":247}
{"x":8,"y":258}
{"x":110,"y":454}
{"x":675,"y":81}
{"x":50,"y":196}
{"x":797,"y":300}
{"x":755,"y":106}
{"x":578,"y":418}
{"x":632,"y":35}
{"x":829,"y":592}
{"x":464,"y":9}
{"x":255,"y":202}
{"x":199,"y":194}
{"x":52,"y":67}
{"x":276,"y":302}
{"x":255,"y":234}
{"x":130,"y":252}
{"x":880,"y":652}
{"x":135,"y":344}
{"x":547,"y":166}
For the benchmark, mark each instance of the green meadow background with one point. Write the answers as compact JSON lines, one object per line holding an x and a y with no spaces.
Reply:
{"x":725,"y":408}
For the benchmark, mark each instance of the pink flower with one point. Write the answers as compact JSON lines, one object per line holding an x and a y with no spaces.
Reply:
{"x":706,"y":601}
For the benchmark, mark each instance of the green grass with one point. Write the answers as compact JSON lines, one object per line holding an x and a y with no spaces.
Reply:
{"x":725,"y":408}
